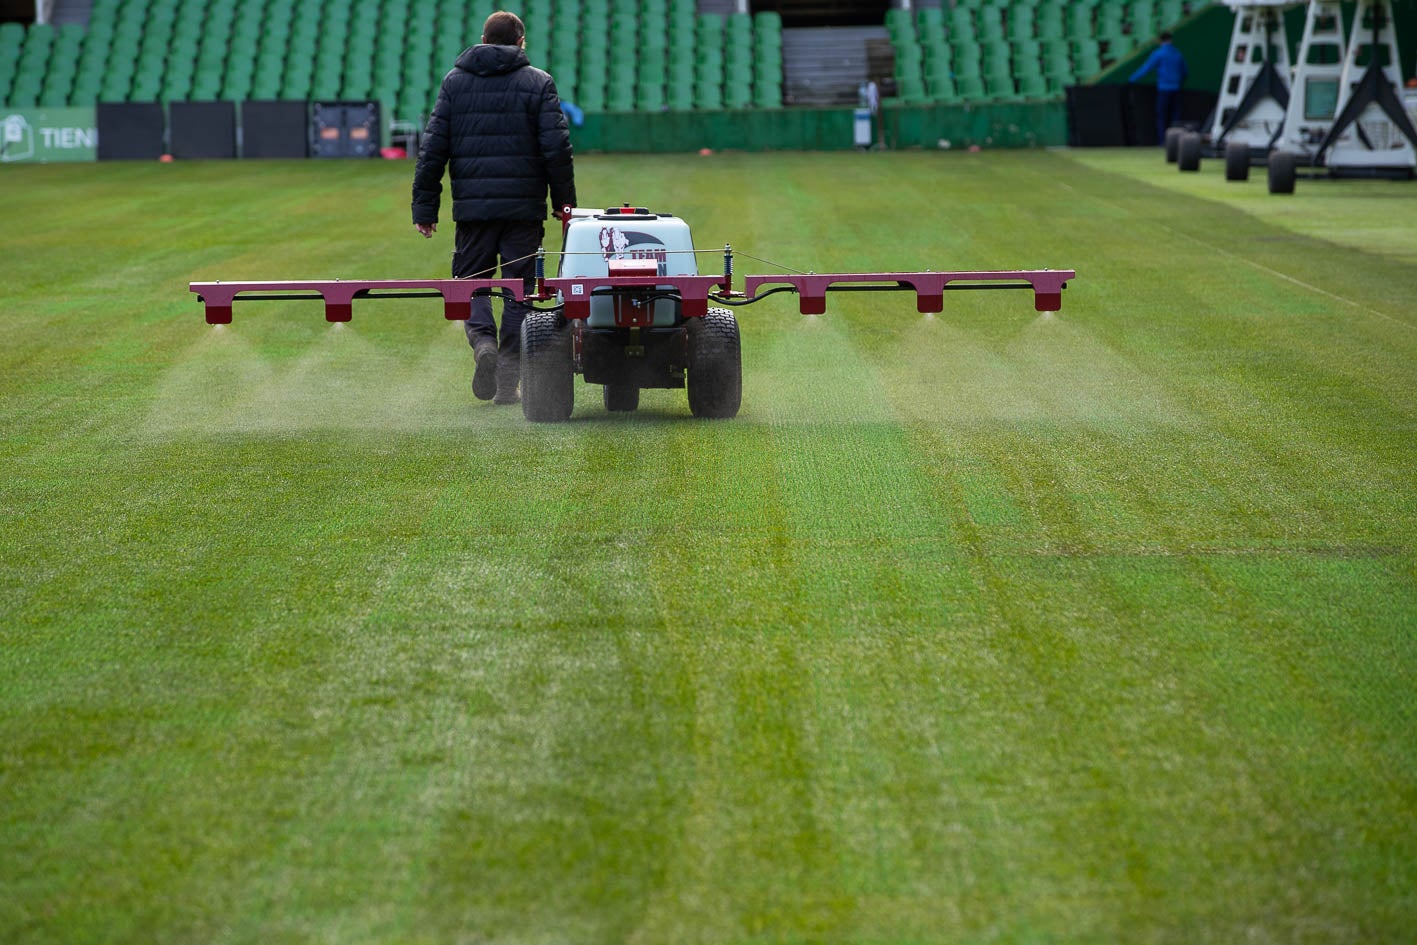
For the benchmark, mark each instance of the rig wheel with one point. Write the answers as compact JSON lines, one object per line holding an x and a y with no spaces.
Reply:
{"x":547,"y":370}
{"x":715,"y":375}
{"x":621,"y":397}
{"x":1188,"y":152}
{"x":1173,"y":143}
{"x":1281,"y":172}
{"x":1237,"y":160}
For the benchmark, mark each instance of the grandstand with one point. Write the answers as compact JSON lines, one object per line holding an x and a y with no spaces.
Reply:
{"x":686,"y":57}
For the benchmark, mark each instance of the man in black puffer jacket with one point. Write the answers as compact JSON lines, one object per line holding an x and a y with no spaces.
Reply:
{"x":498,"y":128}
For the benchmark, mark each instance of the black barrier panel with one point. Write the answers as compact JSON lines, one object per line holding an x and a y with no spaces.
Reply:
{"x":1108,"y":116}
{"x":202,"y":129}
{"x":1139,"y":112}
{"x":344,"y":129}
{"x":1096,"y":118}
{"x":275,"y":130}
{"x":130,"y":131}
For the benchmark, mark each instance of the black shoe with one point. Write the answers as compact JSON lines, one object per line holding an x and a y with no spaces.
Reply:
{"x":509,"y":371}
{"x":484,"y":376}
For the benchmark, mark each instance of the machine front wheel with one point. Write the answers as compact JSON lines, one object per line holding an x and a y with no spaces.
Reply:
{"x":548,"y":373}
{"x":1237,"y":160}
{"x":715,"y":375}
{"x":1281,"y":172}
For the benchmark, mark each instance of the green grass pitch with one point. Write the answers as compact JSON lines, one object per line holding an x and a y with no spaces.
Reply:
{"x":994,"y":626}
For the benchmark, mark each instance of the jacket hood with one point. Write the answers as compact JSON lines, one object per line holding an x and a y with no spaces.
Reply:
{"x":486,"y":59}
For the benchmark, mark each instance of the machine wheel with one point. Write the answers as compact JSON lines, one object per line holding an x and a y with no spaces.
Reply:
{"x":1281,"y":172}
{"x":1237,"y":160}
{"x":1173,"y":143}
{"x":547,"y":369}
{"x":715,"y":375}
{"x":1188,"y":152}
{"x":621,"y":397}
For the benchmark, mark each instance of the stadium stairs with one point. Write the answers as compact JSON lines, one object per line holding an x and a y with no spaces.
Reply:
{"x":825,"y":65}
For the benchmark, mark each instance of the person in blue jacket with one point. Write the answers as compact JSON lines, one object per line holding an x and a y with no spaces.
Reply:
{"x":1170,"y":68}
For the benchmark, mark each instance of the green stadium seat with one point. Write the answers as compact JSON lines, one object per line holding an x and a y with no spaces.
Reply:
{"x":620,"y":98}
{"x":941,"y":88}
{"x":1000,"y":88}
{"x":1033,"y":87}
{"x":24,"y":97}
{"x":680,"y":97}
{"x":767,"y":96}
{"x":651,"y":97}
{"x":1021,"y":23}
{"x":767,"y":21}
{"x":1141,"y":20}
{"x":1077,"y":22}
{"x":970,"y":87}
{"x":591,"y":98}
{"x":961,"y":22}
{"x":989,"y":24}
{"x":708,"y":95}
{"x":910,"y":89}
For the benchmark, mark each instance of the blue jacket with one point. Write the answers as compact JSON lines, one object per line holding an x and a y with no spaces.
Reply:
{"x":1170,"y":68}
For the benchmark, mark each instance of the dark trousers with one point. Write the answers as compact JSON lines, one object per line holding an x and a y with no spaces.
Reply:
{"x":1168,"y":112}
{"x":480,"y":246}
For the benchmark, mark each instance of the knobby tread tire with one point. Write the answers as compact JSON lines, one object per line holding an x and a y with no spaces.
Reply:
{"x":715,"y":375}
{"x":548,"y":375}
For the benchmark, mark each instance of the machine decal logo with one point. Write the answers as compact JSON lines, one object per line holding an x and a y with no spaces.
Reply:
{"x":616,"y":243}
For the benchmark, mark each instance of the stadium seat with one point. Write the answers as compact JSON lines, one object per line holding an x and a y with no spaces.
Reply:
{"x":680,"y":97}
{"x":708,"y":95}
{"x":738,"y":93}
{"x":1021,"y":25}
{"x":970,"y":87}
{"x":1141,"y":21}
{"x":941,"y":89}
{"x":910,"y":88}
{"x":1033,"y":87}
{"x":767,"y":96}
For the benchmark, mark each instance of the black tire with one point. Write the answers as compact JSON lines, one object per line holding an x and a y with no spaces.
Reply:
{"x":1173,"y":143}
{"x":1237,"y":160}
{"x":621,"y":397}
{"x":547,"y":371}
{"x":715,"y":375}
{"x":1281,"y":172}
{"x":1188,"y":152}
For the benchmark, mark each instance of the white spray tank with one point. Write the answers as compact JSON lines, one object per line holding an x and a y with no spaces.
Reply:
{"x":595,"y":237}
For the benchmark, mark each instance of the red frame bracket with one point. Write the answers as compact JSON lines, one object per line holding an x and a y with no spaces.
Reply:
{"x":576,"y":292}
{"x":1047,"y":285}
{"x":339,"y":295}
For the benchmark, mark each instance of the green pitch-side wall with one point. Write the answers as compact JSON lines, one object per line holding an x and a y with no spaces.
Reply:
{"x":1014,"y":125}
{"x":67,"y":134}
